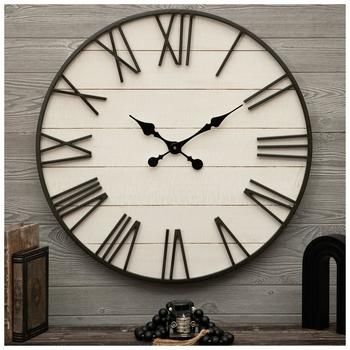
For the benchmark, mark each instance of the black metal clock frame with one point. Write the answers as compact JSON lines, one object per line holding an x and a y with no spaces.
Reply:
{"x":117,"y":24}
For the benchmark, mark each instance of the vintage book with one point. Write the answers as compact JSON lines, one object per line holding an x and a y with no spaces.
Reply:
{"x":30,"y":293}
{"x":17,"y":237}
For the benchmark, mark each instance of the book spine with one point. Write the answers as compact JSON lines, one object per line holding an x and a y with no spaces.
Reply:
{"x":18,"y":298}
{"x":17,"y":237}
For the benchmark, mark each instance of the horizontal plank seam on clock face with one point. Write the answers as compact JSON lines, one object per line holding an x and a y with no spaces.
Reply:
{"x":182,"y":205}
{"x":170,"y":166}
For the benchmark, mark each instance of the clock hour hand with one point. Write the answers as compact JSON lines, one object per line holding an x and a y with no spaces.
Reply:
{"x":149,"y":129}
{"x":196,"y":163}
{"x":153,"y":161}
{"x":214,"y":122}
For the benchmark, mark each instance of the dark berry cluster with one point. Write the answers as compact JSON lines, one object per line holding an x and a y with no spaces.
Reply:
{"x":216,"y":336}
{"x":159,"y":328}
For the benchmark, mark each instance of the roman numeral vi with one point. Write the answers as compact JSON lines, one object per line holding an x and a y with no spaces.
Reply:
{"x":176,"y":241}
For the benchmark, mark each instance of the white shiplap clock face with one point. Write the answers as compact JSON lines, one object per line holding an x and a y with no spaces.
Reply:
{"x":137,"y":168}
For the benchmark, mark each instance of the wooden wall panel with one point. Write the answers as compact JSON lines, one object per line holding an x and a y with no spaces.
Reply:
{"x":301,"y":55}
{"x":55,"y":21}
{"x":310,"y":39}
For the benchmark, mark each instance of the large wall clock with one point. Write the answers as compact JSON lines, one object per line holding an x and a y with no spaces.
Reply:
{"x":174,"y":145}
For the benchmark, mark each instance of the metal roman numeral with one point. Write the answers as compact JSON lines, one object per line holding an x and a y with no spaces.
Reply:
{"x":222,"y":227}
{"x":71,"y":144}
{"x":110,"y":247}
{"x":71,"y":200}
{"x":166,"y":35}
{"x":281,"y":146}
{"x":118,"y":60}
{"x":177,"y":240}
{"x":253,"y":195}
{"x":266,"y":99}
{"x":228,"y":55}
{"x":83,"y":97}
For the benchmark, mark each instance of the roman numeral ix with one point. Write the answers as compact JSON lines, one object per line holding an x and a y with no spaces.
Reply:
{"x":228,"y":55}
{"x":71,"y":144}
{"x":279,"y":147}
{"x":118,"y":60}
{"x":78,"y":197}
{"x":222,"y":229}
{"x":268,"y":98}
{"x":76,"y":92}
{"x":110,"y":247}
{"x":255,"y":196}
{"x":177,"y":241}
{"x":167,"y":45}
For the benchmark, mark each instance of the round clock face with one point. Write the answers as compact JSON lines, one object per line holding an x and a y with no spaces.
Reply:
{"x":174,"y":145}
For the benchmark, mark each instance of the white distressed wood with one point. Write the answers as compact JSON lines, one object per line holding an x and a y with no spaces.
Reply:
{"x":323,"y":92}
{"x":156,"y":220}
{"x":176,"y":186}
{"x":217,"y":147}
{"x":244,"y":70}
{"x":194,"y":108}
{"x":146,"y":35}
{"x":147,"y":259}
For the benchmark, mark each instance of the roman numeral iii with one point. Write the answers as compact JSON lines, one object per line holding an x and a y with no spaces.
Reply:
{"x":166,"y":35}
{"x":222,"y":228}
{"x":110,"y":247}
{"x":134,"y":67}
{"x":176,"y":241}
{"x":271,"y":96}
{"x":71,"y":144}
{"x":279,"y":147}
{"x":77,"y":198}
{"x":76,"y":92}
{"x":256,"y":197}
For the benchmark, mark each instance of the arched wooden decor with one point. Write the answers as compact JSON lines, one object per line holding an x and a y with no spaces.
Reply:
{"x":316,"y":258}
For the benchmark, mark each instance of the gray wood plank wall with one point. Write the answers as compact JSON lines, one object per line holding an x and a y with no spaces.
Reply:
{"x":309,"y":38}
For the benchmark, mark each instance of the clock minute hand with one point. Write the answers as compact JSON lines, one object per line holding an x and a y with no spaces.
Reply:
{"x":149,"y":129}
{"x":214,"y":122}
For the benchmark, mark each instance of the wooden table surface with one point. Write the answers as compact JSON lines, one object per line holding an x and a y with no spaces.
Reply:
{"x":249,"y":335}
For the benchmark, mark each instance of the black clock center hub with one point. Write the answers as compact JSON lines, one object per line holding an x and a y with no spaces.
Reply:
{"x":175,"y":148}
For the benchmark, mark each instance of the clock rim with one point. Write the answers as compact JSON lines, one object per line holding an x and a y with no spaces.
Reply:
{"x":149,"y":14}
